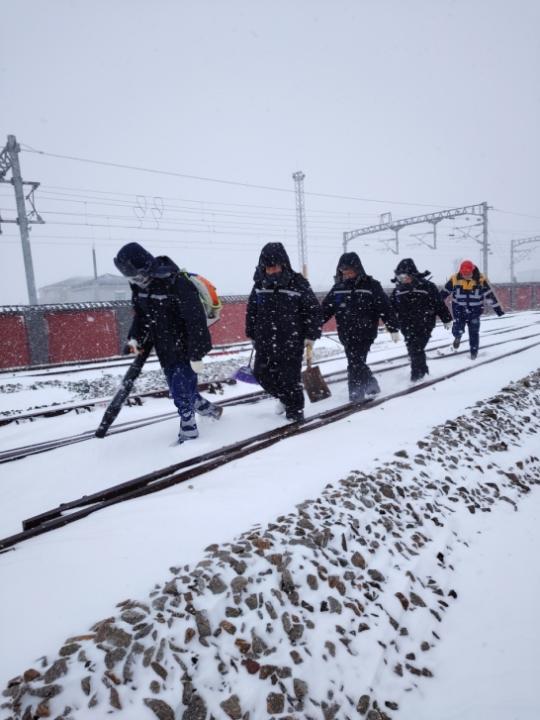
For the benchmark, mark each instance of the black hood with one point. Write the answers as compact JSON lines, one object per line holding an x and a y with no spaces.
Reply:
{"x":163,"y":267}
{"x":349,"y":260}
{"x":272,"y":254}
{"x":407,"y":266}
{"x":133,"y":259}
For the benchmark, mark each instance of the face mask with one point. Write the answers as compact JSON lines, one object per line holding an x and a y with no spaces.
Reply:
{"x":140,"y":280}
{"x":274,"y":277}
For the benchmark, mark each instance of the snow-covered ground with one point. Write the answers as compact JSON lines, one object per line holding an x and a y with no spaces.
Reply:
{"x":58,"y":585}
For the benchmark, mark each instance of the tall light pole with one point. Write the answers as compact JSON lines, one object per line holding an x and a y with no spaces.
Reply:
{"x":298,"y":178}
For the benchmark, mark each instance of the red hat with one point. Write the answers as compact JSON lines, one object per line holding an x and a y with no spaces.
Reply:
{"x":466,"y":267}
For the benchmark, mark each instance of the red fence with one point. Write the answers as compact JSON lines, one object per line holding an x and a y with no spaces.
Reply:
{"x":14,"y":349}
{"x":230,"y":327}
{"x":31,"y":335}
{"x":81,"y":335}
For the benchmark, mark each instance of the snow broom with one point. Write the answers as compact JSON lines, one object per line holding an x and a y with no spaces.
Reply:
{"x":114,"y":407}
{"x":314,"y":383}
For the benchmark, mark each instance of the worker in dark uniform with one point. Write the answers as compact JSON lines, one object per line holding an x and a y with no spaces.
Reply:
{"x":283,"y":317}
{"x":358,"y":302}
{"x":169,"y":314}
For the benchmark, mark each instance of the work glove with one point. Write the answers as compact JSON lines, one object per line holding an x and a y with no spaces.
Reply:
{"x":448,"y":326}
{"x":132,"y":346}
{"x":308,"y":343}
{"x":499,"y":312}
{"x":396,"y":337}
{"x":197,"y":366}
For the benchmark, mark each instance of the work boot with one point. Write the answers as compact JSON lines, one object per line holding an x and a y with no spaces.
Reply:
{"x":372,"y":388}
{"x":208,"y":409}
{"x":357,"y":395}
{"x":188,"y":429}
{"x":456,"y":343}
{"x":294,"y":416}
{"x":474,"y":354}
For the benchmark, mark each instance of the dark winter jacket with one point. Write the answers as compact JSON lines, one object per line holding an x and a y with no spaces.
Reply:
{"x":170,"y":313}
{"x":468,"y":296}
{"x":282,"y":311}
{"x":357,"y":304}
{"x":417,"y":303}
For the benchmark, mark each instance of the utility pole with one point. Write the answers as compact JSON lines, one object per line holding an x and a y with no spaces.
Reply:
{"x":94,"y":261}
{"x":9,"y":160}
{"x":298,"y":178}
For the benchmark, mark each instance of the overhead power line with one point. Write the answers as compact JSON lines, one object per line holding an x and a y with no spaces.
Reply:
{"x":509,"y":212}
{"x":207,"y":203}
{"x":170,"y":173}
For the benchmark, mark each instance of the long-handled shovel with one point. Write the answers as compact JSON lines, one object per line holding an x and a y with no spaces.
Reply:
{"x":134,"y":370}
{"x":314,"y":383}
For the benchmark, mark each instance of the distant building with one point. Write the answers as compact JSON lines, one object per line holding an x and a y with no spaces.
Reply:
{"x":86,"y":289}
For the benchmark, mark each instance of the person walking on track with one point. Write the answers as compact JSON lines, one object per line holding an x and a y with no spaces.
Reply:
{"x":169,"y":314}
{"x":358,"y":302}
{"x":469,"y":290}
{"x":417,"y":304}
{"x":283,"y":316}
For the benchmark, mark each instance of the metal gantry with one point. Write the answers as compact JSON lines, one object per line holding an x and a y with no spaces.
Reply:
{"x":480,"y":210}
{"x":517,"y":255}
{"x":9,"y":160}
{"x":298,"y":178}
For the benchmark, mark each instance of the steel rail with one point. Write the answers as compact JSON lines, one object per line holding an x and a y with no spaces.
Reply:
{"x":199,"y":465}
{"x":337,"y":376}
{"x":107,"y":363}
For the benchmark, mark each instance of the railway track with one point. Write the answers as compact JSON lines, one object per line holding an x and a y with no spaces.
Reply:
{"x":190,"y":468}
{"x":214,"y":386}
{"x":248,"y":398}
{"x":118,"y":361}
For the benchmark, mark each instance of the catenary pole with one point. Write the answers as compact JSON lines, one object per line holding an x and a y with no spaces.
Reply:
{"x":13,"y":150}
{"x":485,"y":244}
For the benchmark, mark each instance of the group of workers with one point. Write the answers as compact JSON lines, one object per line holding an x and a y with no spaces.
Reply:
{"x":284,"y":317}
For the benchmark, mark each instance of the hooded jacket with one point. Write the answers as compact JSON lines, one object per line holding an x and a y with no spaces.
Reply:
{"x":169,"y":313}
{"x":469,"y":295}
{"x":282,"y":310}
{"x":418,"y":302}
{"x":357,"y":304}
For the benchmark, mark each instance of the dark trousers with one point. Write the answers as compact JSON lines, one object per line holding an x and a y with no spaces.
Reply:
{"x":281,"y":379}
{"x":182,"y":382}
{"x":472,"y":322}
{"x":359,"y":375}
{"x":416,"y":342}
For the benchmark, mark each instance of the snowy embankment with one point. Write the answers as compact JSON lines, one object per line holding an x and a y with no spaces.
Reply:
{"x":334,"y":610}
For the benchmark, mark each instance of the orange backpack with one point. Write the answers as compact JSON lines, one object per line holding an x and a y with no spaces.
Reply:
{"x":207,"y":295}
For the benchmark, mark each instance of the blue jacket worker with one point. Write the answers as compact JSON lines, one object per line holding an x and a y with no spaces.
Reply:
{"x":417,"y":303}
{"x":358,"y":302}
{"x":283,"y":316}
{"x":469,"y":290}
{"x":169,"y":314}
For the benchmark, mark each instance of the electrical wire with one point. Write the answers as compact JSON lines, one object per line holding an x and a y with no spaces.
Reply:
{"x":170,"y":173}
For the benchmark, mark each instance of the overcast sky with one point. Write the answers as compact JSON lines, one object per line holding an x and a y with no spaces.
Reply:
{"x":402,"y":107}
